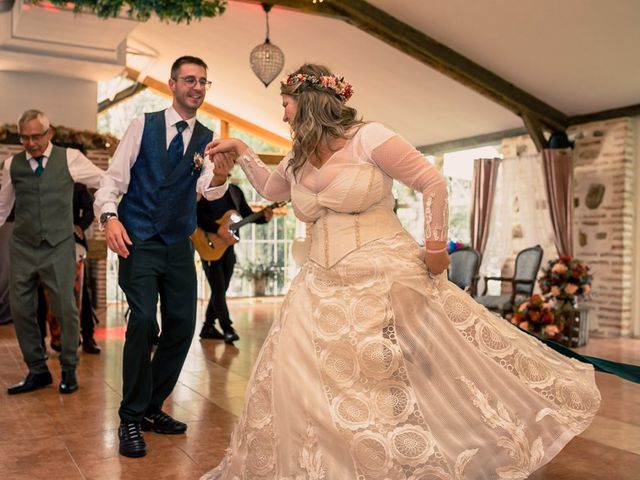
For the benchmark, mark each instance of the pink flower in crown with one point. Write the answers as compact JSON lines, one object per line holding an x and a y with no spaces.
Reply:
{"x":555,"y":291}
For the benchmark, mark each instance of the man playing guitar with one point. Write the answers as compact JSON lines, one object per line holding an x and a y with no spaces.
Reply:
{"x":214,"y":218}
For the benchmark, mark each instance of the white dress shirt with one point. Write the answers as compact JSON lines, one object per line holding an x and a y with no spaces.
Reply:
{"x":116,"y":181}
{"x":82,"y":170}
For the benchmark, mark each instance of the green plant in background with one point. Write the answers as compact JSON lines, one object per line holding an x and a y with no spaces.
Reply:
{"x":177,"y":11}
{"x":253,"y":271}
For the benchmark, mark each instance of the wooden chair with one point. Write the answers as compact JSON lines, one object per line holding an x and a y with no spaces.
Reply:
{"x":522,"y":283}
{"x":464,"y":268}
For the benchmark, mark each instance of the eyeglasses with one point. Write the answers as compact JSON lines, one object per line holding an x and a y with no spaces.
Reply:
{"x":191,"y":81}
{"x":34,"y":138}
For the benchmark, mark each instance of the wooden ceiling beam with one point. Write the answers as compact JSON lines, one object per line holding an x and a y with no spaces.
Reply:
{"x":628,"y":111}
{"x":429,"y":51}
{"x":535,"y":130}
{"x":122,"y":95}
{"x":470,"y":142}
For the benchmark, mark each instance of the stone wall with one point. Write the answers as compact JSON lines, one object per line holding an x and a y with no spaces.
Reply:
{"x":604,"y":171}
{"x":604,"y":219}
{"x":97,"y":246}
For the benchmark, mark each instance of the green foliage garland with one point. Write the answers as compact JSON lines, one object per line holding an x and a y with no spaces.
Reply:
{"x":177,"y":11}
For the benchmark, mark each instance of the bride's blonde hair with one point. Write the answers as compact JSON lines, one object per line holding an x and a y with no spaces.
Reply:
{"x":321,"y":111}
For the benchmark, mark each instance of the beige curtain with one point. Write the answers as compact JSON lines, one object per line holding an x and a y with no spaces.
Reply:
{"x":557,"y":167}
{"x":485,"y":175}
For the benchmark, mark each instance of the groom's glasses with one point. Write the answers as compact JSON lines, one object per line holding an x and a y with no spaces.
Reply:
{"x":191,"y":81}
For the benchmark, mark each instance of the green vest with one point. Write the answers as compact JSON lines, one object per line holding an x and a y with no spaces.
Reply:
{"x":44,"y":205}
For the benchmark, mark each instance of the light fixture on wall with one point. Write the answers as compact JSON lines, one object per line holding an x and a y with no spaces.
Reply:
{"x":266,"y":59}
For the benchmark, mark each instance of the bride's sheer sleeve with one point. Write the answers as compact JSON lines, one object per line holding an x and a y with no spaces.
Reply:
{"x":271,"y":184}
{"x":400,"y":160}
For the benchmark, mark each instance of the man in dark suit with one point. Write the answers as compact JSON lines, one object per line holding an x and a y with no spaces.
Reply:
{"x":219,"y":272}
{"x":157,"y":169}
{"x":83,"y":217}
{"x":5,"y":237}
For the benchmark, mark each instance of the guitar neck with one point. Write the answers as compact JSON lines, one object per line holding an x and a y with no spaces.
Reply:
{"x":247,"y":219}
{"x":254,"y":216}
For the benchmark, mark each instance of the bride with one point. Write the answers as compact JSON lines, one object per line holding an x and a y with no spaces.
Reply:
{"x":378,"y":367}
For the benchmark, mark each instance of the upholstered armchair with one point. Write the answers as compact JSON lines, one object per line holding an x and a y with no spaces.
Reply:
{"x":464,"y":268}
{"x":522,"y":283}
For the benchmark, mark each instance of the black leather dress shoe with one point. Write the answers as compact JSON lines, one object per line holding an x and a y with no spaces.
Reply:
{"x":210,"y":332}
{"x":160,"y":422}
{"x":32,"y":381}
{"x":230,"y":336}
{"x":132,"y":442}
{"x":69,"y":383}
{"x":90,"y":346}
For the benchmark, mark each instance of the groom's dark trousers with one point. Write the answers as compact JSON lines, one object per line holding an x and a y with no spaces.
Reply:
{"x":154,"y":269}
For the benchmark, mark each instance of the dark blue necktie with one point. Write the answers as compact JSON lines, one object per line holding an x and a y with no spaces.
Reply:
{"x":176,"y":147}
{"x":40,"y":168}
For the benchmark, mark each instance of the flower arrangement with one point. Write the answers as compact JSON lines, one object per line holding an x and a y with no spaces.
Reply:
{"x":337,"y":85}
{"x":537,"y":315}
{"x":566,"y":277}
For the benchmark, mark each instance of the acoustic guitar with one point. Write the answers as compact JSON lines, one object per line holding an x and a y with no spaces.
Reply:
{"x":212,"y":246}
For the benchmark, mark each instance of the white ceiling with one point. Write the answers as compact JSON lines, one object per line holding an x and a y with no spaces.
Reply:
{"x":579,"y":56}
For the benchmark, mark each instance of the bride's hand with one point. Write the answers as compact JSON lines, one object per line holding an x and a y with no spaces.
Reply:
{"x":436,"y":257}
{"x":231,"y":146}
{"x":222,"y":166}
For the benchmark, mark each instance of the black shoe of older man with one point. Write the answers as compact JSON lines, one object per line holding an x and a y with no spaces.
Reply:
{"x":32,"y":381}
{"x":160,"y":422}
{"x":69,"y":382}
{"x":132,"y":442}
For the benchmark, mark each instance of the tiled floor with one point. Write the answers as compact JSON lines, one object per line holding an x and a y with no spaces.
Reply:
{"x":47,"y":435}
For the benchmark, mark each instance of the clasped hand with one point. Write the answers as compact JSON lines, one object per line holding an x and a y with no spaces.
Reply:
{"x":222,"y":152}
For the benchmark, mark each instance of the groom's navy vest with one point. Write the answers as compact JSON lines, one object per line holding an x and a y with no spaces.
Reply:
{"x":161,"y":200}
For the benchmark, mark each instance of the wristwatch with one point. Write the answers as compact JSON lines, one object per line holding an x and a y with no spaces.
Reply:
{"x":106,"y":216}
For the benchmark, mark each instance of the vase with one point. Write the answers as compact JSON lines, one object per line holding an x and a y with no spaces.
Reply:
{"x":566,"y":302}
{"x":259,"y":286}
{"x":575,"y":319}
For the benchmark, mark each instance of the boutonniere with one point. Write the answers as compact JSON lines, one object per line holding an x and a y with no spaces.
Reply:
{"x":198,"y":161}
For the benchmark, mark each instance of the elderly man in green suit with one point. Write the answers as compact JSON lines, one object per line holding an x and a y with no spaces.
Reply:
{"x":40,"y":180}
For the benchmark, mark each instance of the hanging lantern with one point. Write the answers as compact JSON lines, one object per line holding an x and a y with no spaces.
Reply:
{"x":267,"y":59}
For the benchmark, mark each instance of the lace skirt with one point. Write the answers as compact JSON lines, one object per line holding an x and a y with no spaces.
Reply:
{"x":376,"y":371}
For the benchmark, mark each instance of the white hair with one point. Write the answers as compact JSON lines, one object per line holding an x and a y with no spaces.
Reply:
{"x":32,"y":114}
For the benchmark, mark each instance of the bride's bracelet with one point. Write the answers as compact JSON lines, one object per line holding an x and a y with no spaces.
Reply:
{"x":439,"y":250}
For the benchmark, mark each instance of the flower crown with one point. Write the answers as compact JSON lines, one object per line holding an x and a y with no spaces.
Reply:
{"x":337,"y":85}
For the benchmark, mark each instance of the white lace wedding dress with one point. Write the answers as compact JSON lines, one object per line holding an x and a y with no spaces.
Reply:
{"x":374,"y":370}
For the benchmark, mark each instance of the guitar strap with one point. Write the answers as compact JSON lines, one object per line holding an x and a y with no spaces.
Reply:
{"x":235,"y":197}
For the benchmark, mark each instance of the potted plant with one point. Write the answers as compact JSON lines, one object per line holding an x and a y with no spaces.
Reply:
{"x":259,"y":274}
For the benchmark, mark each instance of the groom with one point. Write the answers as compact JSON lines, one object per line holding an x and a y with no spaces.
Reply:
{"x":157,"y":169}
